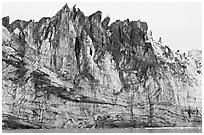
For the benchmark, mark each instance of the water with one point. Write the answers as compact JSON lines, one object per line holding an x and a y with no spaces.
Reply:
{"x":111,"y":130}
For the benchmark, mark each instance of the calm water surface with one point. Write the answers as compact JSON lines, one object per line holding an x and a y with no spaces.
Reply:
{"x":112,"y":130}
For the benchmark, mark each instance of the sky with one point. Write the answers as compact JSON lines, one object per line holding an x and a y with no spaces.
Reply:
{"x":179,"y":24}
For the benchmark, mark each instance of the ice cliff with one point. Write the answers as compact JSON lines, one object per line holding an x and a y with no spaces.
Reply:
{"x":77,"y":71}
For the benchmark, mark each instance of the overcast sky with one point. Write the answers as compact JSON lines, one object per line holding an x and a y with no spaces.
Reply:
{"x":179,"y":24}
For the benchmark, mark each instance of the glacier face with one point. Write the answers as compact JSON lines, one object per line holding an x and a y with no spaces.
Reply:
{"x":77,"y":71}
